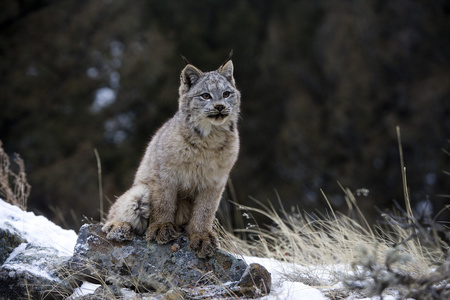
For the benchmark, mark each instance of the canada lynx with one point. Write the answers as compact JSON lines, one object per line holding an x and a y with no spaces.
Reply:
{"x":185,"y":168}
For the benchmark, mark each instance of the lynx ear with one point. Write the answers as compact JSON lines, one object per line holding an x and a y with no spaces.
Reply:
{"x":226,"y":70}
{"x":189,"y":76}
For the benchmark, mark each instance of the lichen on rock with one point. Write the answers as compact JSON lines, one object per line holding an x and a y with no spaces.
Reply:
{"x":145,"y":266}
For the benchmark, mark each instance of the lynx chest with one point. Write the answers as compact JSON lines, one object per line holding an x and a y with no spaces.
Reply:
{"x":207,"y":163}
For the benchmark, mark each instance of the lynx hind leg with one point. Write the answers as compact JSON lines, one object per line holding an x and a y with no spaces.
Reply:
{"x":129,"y":214}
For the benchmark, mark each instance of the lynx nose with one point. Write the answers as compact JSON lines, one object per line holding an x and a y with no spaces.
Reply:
{"x":219,"y":107}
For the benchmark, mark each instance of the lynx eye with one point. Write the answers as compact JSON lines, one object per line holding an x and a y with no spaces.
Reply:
{"x":226,"y":94}
{"x":206,"y":96}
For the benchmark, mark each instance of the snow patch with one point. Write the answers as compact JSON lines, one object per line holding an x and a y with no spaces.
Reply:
{"x":37,"y":230}
{"x":85,"y":289}
{"x":282,"y":288}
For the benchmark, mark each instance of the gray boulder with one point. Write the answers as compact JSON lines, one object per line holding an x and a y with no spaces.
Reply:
{"x":9,"y":240}
{"x":32,"y":253}
{"x":148,"y":267}
{"x":35,"y":272}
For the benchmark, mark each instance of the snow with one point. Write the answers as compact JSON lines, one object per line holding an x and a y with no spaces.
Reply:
{"x":85,"y":289}
{"x":282,"y":288}
{"x":38,"y":268}
{"x":37,"y":230}
{"x":295,"y":290}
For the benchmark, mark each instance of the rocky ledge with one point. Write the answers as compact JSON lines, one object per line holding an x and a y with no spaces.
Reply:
{"x":39,"y":260}
{"x":171,"y":269}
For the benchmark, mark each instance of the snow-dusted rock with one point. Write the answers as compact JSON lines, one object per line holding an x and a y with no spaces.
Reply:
{"x":35,"y":272}
{"x":9,"y":240}
{"x":34,"y":251}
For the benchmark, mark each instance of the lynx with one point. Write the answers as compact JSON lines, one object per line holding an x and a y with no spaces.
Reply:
{"x":185,"y":168}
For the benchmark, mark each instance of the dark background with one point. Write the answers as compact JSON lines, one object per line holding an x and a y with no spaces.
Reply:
{"x":324,"y":85}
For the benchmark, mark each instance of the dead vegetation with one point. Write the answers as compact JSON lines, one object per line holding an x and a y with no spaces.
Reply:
{"x":403,"y":255}
{"x":14,"y":187}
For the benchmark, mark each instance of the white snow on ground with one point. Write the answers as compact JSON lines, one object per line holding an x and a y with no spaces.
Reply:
{"x":281,"y":287}
{"x":85,"y":289}
{"x":37,"y":229}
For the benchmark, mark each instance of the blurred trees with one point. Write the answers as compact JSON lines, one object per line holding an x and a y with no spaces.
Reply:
{"x":324,"y":85}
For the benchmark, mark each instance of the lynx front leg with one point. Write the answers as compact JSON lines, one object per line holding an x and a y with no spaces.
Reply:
{"x":202,"y":239}
{"x":129,"y":214}
{"x":162,"y":227}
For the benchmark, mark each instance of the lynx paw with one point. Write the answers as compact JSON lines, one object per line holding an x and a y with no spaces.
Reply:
{"x":162,"y":233}
{"x":204,"y":243}
{"x":118,"y":231}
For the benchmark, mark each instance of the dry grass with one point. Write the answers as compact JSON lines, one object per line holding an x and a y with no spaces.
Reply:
{"x":319,"y":240}
{"x":14,"y":187}
{"x":398,"y":253}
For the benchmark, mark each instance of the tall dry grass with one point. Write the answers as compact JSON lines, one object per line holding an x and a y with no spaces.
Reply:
{"x":14,"y":187}
{"x":402,"y":253}
{"x":405,"y":253}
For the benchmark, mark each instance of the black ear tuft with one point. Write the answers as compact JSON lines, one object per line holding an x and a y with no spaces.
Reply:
{"x":186,"y":62}
{"x":228,"y":59}
{"x":227,"y":69}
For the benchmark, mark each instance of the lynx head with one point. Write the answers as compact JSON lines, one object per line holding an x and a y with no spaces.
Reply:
{"x":209,"y":99}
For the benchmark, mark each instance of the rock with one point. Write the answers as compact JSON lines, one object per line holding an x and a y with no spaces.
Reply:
{"x":32,"y":251}
{"x":148,"y":267}
{"x":9,"y":239}
{"x":35,"y":272}
{"x":256,"y":281}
